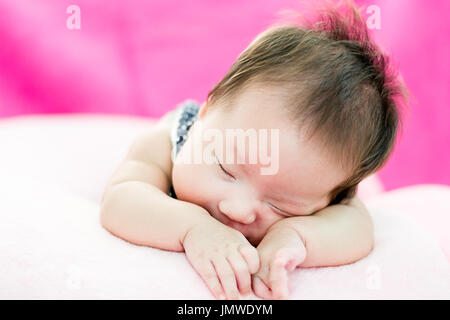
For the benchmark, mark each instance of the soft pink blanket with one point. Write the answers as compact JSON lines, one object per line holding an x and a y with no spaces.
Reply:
{"x":52,"y":246}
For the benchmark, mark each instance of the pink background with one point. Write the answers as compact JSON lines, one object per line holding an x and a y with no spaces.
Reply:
{"x":143,"y":57}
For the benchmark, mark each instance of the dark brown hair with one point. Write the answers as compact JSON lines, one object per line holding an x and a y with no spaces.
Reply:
{"x":341,"y":87}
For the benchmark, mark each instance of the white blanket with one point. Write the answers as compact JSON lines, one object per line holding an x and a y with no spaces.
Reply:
{"x":52,"y":245}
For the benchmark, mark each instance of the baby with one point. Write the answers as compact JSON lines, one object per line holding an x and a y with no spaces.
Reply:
{"x":326,"y":93}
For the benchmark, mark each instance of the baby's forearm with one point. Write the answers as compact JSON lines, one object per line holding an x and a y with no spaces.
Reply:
{"x":336,"y":235}
{"x":143,"y":214}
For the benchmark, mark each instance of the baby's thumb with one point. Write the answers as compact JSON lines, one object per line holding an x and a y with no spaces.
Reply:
{"x":251,"y":256}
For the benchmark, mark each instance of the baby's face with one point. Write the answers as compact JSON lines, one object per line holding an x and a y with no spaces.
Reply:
{"x":238,"y":194}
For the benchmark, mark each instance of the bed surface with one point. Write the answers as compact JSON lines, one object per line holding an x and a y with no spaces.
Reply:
{"x":53,"y":169}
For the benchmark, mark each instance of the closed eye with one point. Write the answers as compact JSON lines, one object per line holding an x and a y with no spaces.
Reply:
{"x":278,"y":210}
{"x":222,"y":168}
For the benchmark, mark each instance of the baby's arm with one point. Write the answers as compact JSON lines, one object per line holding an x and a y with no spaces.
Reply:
{"x":336,"y":235}
{"x":135,"y":204}
{"x":136,"y":207}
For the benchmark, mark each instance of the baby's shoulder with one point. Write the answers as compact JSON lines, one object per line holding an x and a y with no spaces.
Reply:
{"x":172,"y":128}
{"x":168,"y":119}
{"x":154,"y":144}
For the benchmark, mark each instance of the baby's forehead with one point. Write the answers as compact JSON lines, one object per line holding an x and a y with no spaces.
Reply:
{"x":303,"y":160}
{"x":259,"y":97}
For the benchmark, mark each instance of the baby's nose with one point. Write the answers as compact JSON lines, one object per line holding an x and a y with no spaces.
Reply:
{"x":238,"y":211}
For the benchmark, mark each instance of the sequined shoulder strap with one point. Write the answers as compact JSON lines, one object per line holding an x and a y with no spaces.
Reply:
{"x":185,"y":117}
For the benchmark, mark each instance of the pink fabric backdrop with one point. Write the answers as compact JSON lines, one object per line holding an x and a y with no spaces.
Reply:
{"x":143,"y":57}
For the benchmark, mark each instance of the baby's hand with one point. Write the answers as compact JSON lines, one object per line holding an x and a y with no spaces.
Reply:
{"x":223,"y":257}
{"x":280,"y":251}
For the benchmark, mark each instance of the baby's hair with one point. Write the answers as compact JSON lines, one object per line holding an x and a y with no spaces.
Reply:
{"x":339,"y":86}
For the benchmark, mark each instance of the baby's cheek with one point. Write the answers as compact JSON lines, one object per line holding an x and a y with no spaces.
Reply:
{"x":189,"y":183}
{"x":180,"y":181}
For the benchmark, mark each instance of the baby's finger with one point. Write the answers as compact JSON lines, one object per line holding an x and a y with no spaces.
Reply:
{"x":227,"y":277}
{"x":278,"y":279}
{"x":259,"y":288}
{"x":209,"y":275}
{"x":240,"y":268}
{"x":251,"y":256}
